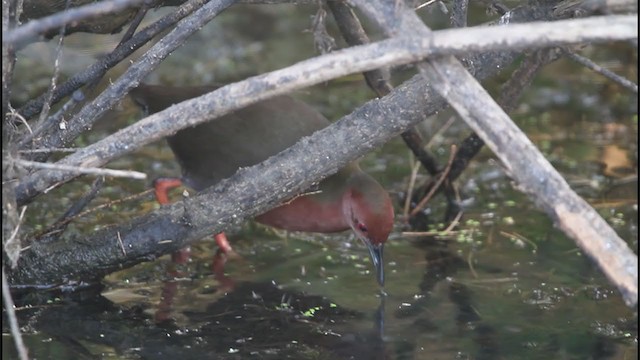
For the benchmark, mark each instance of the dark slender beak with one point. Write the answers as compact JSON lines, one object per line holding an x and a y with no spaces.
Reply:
{"x":376,"y":252}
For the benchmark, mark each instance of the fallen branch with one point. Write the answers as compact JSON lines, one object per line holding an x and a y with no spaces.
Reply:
{"x":524,"y":163}
{"x":441,"y":178}
{"x":307,"y":73}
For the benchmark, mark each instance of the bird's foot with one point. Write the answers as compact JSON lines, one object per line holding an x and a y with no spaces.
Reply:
{"x":162,"y":187}
{"x":219,"y":260}
{"x":181,"y":256}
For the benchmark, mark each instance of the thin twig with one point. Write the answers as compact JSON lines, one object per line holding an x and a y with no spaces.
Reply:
{"x":99,"y":68}
{"x":436,"y":233}
{"x":516,"y":236}
{"x":20,"y":118}
{"x":440,"y":233}
{"x":70,"y":150}
{"x":56,"y":118}
{"x":412,"y":182}
{"x":426,"y":3}
{"x":435,"y":187}
{"x":625,"y":83}
{"x":440,"y":131}
{"x":56,"y":72}
{"x":92,"y":111}
{"x":83,"y":170}
{"x":50,"y":231}
{"x":133,"y":26}
{"x":124,"y":252}
{"x":39,"y":26}
{"x":454,"y":223}
{"x":489,"y":281}
{"x":60,"y":225}
{"x":17,"y":228}
{"x":490,"y":235}
{"x":9,"y":307}
{"x":322,"y":41}
{"x":470,"y":263}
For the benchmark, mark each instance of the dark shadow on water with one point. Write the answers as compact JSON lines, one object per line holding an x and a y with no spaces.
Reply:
{"x":255,"y":319}
{"x":441,"y":265}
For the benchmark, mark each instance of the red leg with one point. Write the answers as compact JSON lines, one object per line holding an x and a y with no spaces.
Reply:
{"x":181,"y":256}
{"x":223,"y":243}
{"x":222,"y":255}
{"x":169,"y":291}
{"x":217,"y":266}
{"x":162,"y":187}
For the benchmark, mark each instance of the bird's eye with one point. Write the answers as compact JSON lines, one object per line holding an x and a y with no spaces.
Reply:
{"x":362,"y":227}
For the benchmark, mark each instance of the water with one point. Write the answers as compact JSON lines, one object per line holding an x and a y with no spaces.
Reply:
{"x":503,"y":284}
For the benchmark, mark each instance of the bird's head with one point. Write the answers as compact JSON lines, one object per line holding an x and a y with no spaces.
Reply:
{"x":369,"y":211}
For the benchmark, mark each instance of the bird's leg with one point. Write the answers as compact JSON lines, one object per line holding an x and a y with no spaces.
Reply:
{"x":217,"y":266}
{"x":169,"y":291}
{"x":224,"y":253}
{"x":162,"y":186}
{"x":223,"y":243}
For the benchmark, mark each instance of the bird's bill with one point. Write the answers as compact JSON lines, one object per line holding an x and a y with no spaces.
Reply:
{"x":376,"y":252}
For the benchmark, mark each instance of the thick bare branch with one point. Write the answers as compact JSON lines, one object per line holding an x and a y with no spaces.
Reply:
{"x":459,"y":13}
{"x":508,"y":100}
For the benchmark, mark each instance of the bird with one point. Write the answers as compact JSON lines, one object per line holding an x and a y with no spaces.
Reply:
{"x":214,"y":150}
